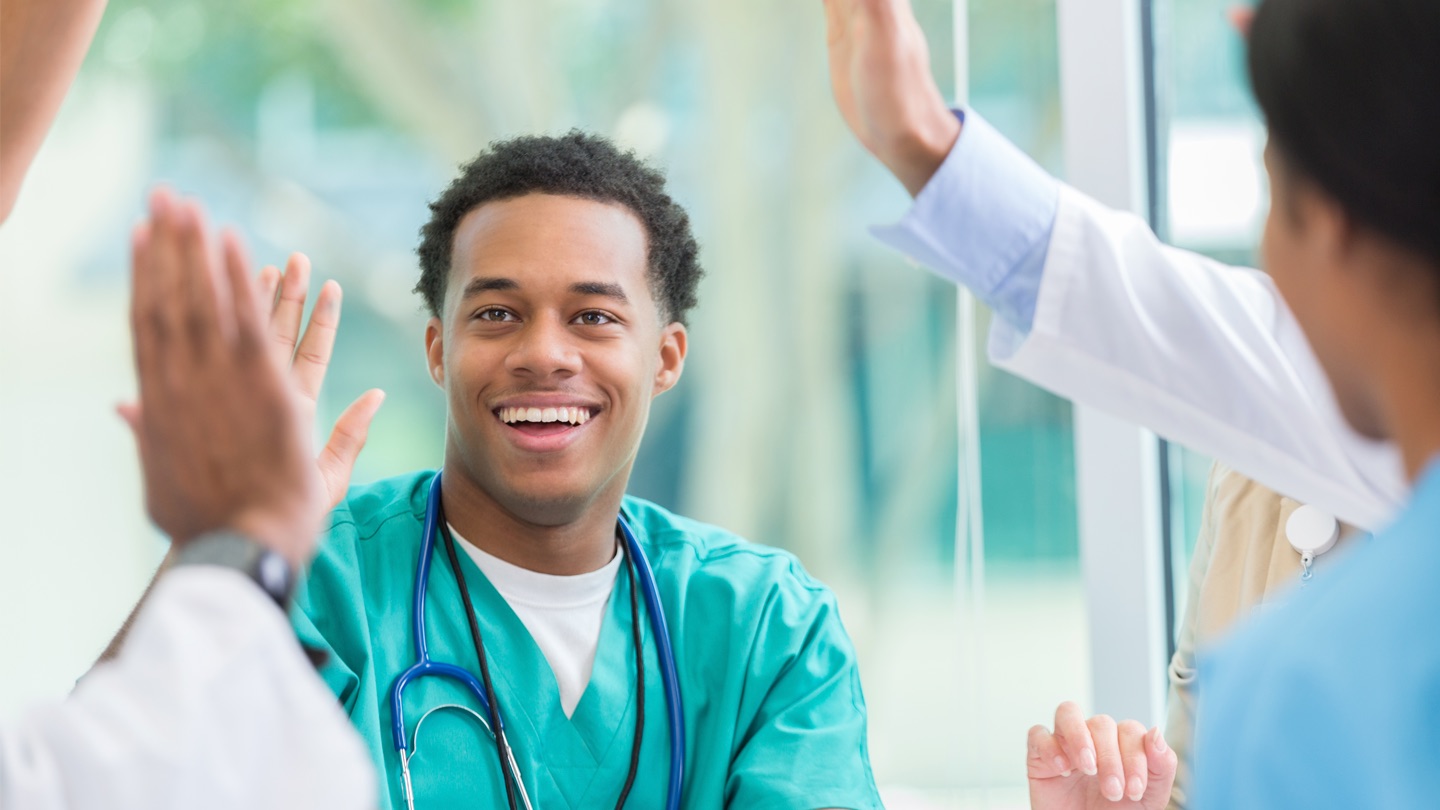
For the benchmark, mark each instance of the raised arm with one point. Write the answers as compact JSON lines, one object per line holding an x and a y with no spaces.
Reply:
{"x":211,"y":702}
{"x":42,"y":43}
{"x":1092,"y":306}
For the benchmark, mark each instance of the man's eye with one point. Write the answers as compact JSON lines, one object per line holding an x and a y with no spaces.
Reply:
{"x":494,"y":314}
{"x":593,"y":318}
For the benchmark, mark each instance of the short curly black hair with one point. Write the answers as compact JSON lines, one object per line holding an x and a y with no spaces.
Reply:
{"x":577,"y":164}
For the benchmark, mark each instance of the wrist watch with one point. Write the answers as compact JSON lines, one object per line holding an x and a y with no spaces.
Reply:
{"x":264,"y":566}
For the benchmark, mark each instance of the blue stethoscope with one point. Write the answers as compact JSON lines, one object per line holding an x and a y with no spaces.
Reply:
{"x":424,"y":666}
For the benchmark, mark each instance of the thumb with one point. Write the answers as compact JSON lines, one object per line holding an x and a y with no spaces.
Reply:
{"x":130,"y":412}
{"x":1162,"y":763}
{"x":337,"y":458}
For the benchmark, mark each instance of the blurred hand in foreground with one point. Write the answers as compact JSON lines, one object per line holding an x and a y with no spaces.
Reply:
{"x":223,"y":430}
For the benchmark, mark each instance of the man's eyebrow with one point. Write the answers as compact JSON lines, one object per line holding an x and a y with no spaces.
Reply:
{"x":481,"y":284}
{"x":600,"y":288}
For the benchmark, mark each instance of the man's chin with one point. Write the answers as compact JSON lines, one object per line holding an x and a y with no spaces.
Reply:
{"x":548,"y":505}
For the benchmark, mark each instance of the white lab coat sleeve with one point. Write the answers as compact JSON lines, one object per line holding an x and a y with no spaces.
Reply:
{"x":1204,"y":354}
{"x":210,"y":704}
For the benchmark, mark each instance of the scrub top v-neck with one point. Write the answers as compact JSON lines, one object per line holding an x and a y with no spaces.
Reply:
{"x":774,"y":712}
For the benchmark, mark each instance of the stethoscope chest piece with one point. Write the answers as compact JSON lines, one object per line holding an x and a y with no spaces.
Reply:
{"x":1311,"y":531}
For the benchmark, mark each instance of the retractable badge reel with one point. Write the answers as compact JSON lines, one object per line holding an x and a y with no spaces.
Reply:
{"x":1311,"y":531}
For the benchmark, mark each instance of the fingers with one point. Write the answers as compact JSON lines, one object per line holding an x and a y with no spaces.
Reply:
{"x":268,"y":283}
{"x":1161,"y":764}
{"x":207,"y":293}
{"x":1132,"y":756}
{"x":245,"y":305}
{"x":1074,"y":736}
{"x":312,"y":356}
{"x":163,"y":264}
{"x":1045,"y":759}
{"x":337,"y":458}
{"x":1110,"y":768}
{"x":289,"y":307}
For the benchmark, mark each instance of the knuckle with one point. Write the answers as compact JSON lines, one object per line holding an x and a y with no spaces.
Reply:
{"x":310,"y":355}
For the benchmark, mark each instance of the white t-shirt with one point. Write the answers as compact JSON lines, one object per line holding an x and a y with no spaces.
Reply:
{"x":563,"y":614}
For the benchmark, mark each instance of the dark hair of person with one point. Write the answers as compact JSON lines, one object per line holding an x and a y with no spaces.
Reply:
{"x":1350,"y":91}
{"x":574,"y":165}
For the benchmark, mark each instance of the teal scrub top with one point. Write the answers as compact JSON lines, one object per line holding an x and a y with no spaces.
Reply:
{"x":774,"y":713}
{"x":1332,"y":699}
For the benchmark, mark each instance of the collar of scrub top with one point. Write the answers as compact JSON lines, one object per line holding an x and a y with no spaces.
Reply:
{"x":424,"y":666}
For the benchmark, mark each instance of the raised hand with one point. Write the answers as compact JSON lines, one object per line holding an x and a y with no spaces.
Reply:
{"x":1093,"y":764}
{"x":223,"y":434}
{"x":880,"y":74}
{"x":307,"y":359}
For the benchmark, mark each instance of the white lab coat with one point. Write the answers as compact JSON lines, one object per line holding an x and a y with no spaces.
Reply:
{"x":211,"y":704}
{"x":1204,"y":354}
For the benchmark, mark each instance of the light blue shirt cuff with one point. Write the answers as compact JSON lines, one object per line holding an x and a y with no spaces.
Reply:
{"x":984,"y":221}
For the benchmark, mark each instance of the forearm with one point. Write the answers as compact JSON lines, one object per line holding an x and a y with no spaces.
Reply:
{"x":1094,"y":308}
{"x":1204,"y":354}
{"x":113,"y":648}
{"x":42,"y":43}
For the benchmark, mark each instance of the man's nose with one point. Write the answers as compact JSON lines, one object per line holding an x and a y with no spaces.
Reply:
{"x":545,"y":347}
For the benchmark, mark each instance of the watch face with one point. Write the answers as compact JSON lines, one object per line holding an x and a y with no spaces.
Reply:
{"x":273,"y":574}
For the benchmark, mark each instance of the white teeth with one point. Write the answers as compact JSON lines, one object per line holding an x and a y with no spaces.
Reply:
{"x":573,"y":416}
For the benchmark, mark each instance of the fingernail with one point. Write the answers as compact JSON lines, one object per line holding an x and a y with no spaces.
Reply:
{"x":1136,"y":789}
{"x":1114,"y":791}
{"x":1087,"y":763}
{"x":1060,"y":763}
{"x":1159,"y":742}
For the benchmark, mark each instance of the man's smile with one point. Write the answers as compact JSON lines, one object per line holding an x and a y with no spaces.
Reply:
{"x":544,"y":424}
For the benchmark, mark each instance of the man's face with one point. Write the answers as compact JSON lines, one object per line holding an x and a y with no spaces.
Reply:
{"x":550,"y":348}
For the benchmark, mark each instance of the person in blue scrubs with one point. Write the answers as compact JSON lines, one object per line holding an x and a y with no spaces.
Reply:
{"x":1331,"y":700}
{"x":559,"y":274}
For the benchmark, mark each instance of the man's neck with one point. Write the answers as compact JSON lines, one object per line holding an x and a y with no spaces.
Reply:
{"x":578,"y":546}
{"x":1411,"y":388}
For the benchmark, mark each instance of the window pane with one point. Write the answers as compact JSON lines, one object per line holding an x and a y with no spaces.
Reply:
{"x":1215,"y":189}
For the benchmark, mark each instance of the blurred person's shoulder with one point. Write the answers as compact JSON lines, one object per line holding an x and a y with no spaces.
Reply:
{"x":1311,"y":681}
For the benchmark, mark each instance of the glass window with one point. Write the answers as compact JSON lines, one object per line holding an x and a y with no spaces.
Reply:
{"x":1214,"y":191}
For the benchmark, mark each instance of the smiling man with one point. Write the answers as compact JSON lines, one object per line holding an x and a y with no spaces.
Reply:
{"x":559,"y":273}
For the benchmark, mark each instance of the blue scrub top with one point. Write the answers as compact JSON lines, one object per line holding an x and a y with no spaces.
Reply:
{"x":774,"y":713}
{"x":1332,"y":700}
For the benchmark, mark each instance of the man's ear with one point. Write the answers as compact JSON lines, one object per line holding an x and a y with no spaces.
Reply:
{"x":673,"y":345}
{"x":435,"y":350}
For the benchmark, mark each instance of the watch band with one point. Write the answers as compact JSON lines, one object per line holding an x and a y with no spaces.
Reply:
{"x":259,"y":563}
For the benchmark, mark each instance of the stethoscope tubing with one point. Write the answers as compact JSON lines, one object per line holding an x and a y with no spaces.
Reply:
{"x":423,"y":666}
{"x":668,"y":675}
